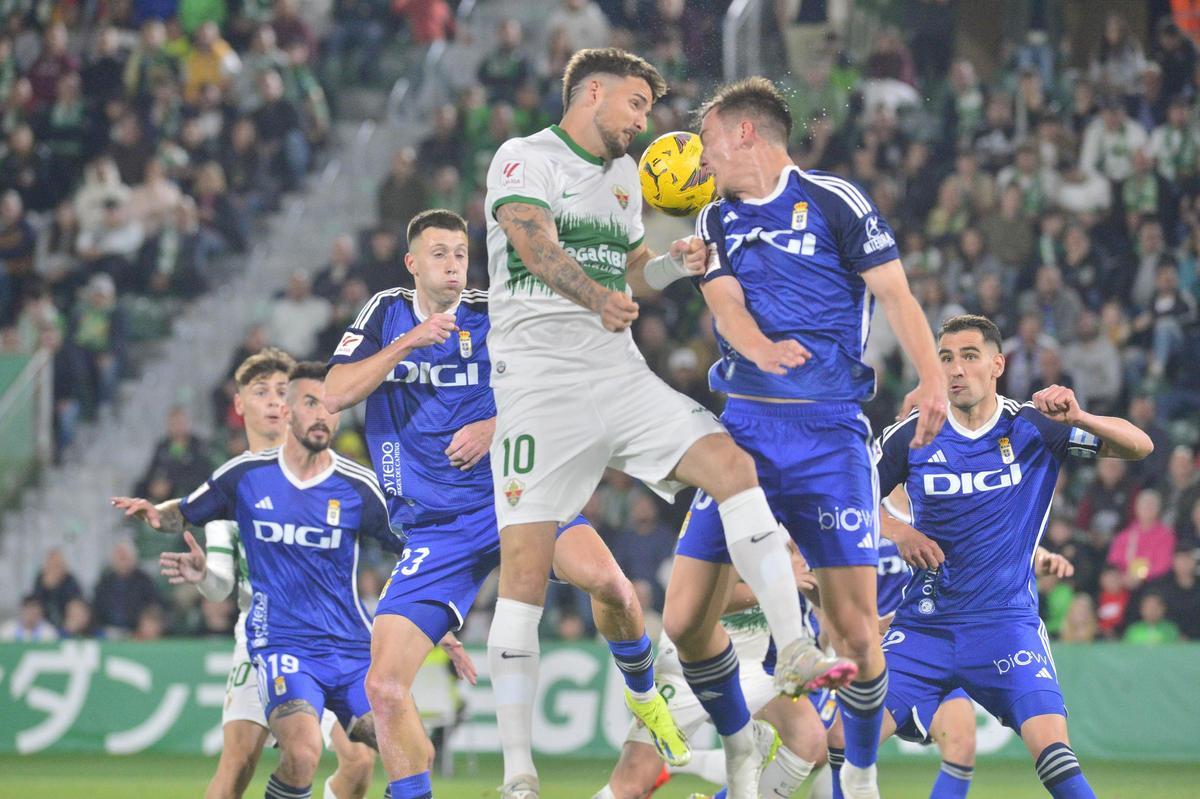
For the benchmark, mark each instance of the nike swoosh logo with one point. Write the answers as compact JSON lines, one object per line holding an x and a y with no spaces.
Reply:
{"x":754,"y":539}
{"x":567,"y":194}
{"x":510,"y":655}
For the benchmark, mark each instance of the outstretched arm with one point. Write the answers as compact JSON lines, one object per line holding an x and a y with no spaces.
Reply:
{"x":1122,"y":439}
{"x":531,"y":232}
{"x":647,"y":273}
{"x":164,"y":517}
{"x":727,"y":302}
{"x":889,"y":285}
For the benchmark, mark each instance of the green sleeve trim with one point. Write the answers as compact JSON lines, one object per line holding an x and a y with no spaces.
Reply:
{"x":518,"y":198}
{"x":636,"y":244}
{"x":225,"y":550}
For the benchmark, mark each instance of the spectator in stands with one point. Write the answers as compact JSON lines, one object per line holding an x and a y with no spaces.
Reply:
{"x":354,"y":43}
{"x":382,"y":265}
{"x":217,"y":618}
{"x":1180,"y":486}
{"x":1107,"y":500}
{"x":298,"y":317}
{"x":181,"y":456}
{"x":582,"y":22}
{"x":402,"y":194}
{"x":216,"y":210}
{"x":1022,"y":353}
{"x":124,"y":591}
{"x":1057,"y":306}
{"x":444,"y":145}
{"x":103,"y":75}
{"x":77,"y":620}
{"x":151,"y":623}
{"x":26,"y":168}
{"x":506,"y":68}
{"x":1079,"y":626}
{"x":290,"y":26}
{"x":98,"y":330}
{"x":642,"y":547}
{"x":17,"y":244}
{"x":280,"y":136}
{"x":337,"y":270}
{"x":1181,"y":593}
{"x":111,"y":246}
{"x":1154,"y":628}
{"x":130,"y":148}
{"x":1094,"y":365}
{"x":52,"y":63}
{"x":153,"y":202}
{"x":210,"y":61}
{"x":1142,"y":551}
{"x":263,"y":57}
{"x":55,"y":587}
{"x":30,"y":625}
{"x":1112,"y":603}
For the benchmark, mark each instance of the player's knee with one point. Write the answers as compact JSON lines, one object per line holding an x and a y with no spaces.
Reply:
{"x":430,"y":754}
{"x":689,"y":634}
{"x":387,"y":694}
{"x":615,"y":590}
{"x":356,"y":765}
{"x":732,"y":470}
{"x":298,"y":761}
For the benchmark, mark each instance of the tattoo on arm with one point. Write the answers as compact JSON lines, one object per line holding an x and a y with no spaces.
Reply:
{"x":171,"y":519}
{"x":291,"y":708}
{"x":528,"y":229}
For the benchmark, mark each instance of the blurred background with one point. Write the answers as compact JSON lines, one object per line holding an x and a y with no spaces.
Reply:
{"x":185,"y":181}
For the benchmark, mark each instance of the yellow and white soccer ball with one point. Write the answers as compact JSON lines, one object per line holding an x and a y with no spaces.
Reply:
{"x":670,"y":173}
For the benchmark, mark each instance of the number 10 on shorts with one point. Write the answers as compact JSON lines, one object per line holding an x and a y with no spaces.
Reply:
{"x":518,"y":454}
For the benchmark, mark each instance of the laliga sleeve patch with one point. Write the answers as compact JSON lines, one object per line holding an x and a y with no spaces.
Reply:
{"x":349,"y":344}
{"x":512,"y":174}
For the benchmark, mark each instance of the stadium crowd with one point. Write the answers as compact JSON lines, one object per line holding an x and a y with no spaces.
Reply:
{"x":1063,"y":203}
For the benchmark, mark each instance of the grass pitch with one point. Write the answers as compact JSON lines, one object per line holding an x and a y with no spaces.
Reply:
{"x":184,"y":777}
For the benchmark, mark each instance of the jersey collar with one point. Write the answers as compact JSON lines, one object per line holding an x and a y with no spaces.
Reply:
{"x":312,"y":481}
{"x":421,"y":317}
{"x":780,"y":185}
{"x":984,"y":429}
{"x":574,"y":146}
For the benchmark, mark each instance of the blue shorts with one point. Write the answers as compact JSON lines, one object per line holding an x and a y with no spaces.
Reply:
{"x":442,"y":568}
{"x":323,"y":680}
{"x":1003,"y":663}
{"x":814,"y":464}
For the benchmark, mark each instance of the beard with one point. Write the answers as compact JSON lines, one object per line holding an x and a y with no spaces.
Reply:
{"x":614,"y":144}
{"x":315,"y":447}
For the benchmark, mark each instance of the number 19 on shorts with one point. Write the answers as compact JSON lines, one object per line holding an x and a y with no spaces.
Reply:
{"x":518,"y":454}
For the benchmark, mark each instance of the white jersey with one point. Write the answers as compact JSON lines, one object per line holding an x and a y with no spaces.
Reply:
{"x":536,"y":333}
{"x":226,"y":559}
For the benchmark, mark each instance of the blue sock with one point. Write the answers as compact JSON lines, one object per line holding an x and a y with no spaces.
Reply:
{"x":862,"y":716}
{"x":417,"y":786}
{"x":715,"y":684}
{"x":836,"y":758}
{"x":953,"y":781}
{"x":1058,"y":769}
{"x":635,"y":659}
{"x":721,"y":794}
{"x":277,"y":789}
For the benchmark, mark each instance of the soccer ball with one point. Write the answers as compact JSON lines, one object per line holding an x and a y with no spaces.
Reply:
{"x":670,"y":174}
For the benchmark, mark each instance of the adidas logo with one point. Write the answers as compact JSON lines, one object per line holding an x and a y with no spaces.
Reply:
{"x":1044,"y":674}
{"x":868,"y":542}
{"x":264,"y":504}
{"x":937,"y":457}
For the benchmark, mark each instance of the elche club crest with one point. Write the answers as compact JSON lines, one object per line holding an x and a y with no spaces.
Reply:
{"x":622,"y":196}
{"x":513,"y":491}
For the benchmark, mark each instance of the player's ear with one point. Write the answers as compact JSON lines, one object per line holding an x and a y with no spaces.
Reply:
{"x":238,"y":408}
{"x":410,"y":262}
{"x":998,"y":364}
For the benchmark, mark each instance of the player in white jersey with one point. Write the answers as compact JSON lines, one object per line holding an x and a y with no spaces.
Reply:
{"x":801,"y":733}
{"x":574,"y":396}
{"x":260,"y":400}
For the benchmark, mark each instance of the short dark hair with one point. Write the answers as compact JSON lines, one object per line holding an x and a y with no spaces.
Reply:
{"x":308,"y":370}
{"x":266,"y":361}
{"x":969,"y":321}
{"x":609,"y":61}
{"x":439,"y":218}
{"x":755,"y":97}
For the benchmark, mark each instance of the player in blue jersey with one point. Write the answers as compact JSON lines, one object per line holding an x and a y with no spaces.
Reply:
{"x":798,"y":260}
{"x":980,"y":496}
{"x":420,"y":360}
{"x":307,"y":632}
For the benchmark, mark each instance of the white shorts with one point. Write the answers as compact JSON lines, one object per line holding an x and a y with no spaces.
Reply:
{"x":243,"y":702}
{"x":553,"y":443}
{"x":689,"y":714}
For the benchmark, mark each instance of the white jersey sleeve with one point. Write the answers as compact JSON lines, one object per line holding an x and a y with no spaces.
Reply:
{"x":219,"y":580}
{"x":518,"y":175}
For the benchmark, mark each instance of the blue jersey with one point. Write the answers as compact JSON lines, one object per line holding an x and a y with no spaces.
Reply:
{"x":301,"y":540}
{"x":799,"y":255}
{"x":984,"y":496}
{"x":894,"y":575}
{"x":428,"y":397}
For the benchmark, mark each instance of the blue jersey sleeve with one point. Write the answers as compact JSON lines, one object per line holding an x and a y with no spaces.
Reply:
{"x":712,"y":231}
{"x":1062,"y":440}
{"x":216,"y":498}
{"x":891,"y":454}
{"x":864,"y":238}
{"x":364,"y":337}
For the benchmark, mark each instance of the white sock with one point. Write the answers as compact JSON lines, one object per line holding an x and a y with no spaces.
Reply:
{"x":758,"y":548}
{"x":513,"y":657}
{"x":822,"y":784}
{"x":707,"y":764}
{"x":605,"y":793}
{"x":859,"y":783}
{"x":783,"y":775}
{"x":329,"y":794}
